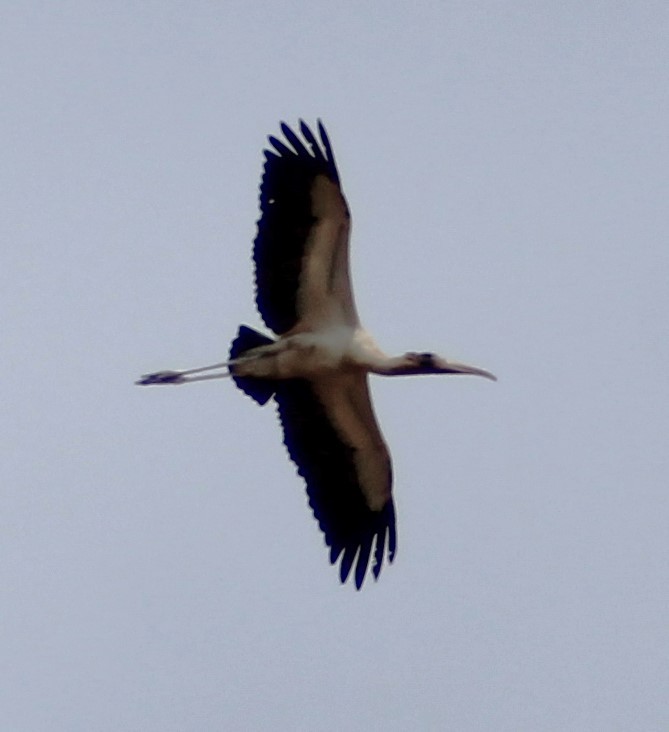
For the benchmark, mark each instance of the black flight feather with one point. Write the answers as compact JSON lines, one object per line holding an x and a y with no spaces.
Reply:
{"x":335,"y":496}
{"x":313,"y":143}
{"x":286,"y":220}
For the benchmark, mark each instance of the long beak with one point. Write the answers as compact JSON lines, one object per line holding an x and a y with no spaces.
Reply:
{"x":453,"y":367}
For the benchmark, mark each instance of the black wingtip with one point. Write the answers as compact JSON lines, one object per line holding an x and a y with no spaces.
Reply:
{"x":392,"y":543}
{"x":313,"y":142}
{"x":335,"y":553}
{"x":332,"y":166}
{"x":294,"y":140}
{"x":363,"y":561}
{"x":281,"y":147}
{"x":347,"y":563}
{"x":378,"y":553}
{"x":324,"y":135}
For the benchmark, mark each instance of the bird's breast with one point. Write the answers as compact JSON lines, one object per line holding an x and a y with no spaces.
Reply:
{"x":314,"y":354}
{"x":302,"y":356}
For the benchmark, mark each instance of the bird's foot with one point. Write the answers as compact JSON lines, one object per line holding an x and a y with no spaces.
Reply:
{"x":162,"y":377}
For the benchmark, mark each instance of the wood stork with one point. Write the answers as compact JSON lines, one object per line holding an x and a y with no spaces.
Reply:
{"x":316,"y":367}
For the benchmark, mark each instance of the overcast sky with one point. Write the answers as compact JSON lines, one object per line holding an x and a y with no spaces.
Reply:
{"x":506,"y":167}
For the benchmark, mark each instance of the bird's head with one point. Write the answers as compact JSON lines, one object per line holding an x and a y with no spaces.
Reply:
{"x":430,"y":363}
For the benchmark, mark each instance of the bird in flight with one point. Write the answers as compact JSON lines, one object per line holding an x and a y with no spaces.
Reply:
{"x":316,"y":365}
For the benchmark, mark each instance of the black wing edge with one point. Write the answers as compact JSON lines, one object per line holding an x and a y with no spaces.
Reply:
{"x":352,"y":530}
{"x":286,"y":218}
{"x":260,"y":390}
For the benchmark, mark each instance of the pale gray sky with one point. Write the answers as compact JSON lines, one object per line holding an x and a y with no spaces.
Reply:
{"x":506,"y":165}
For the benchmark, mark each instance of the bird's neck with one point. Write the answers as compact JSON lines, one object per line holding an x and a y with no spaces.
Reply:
{"x":392,"y":366}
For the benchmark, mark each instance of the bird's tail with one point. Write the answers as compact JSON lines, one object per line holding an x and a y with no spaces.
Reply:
{"x":260,"y":390}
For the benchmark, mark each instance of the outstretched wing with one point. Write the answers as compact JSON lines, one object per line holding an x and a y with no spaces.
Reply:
{"x":301,"y":249}
{"x":332,"y":436}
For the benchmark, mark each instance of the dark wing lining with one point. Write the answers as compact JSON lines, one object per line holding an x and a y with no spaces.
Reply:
{"x":327,"y":465}
{"x":286,"y":219}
